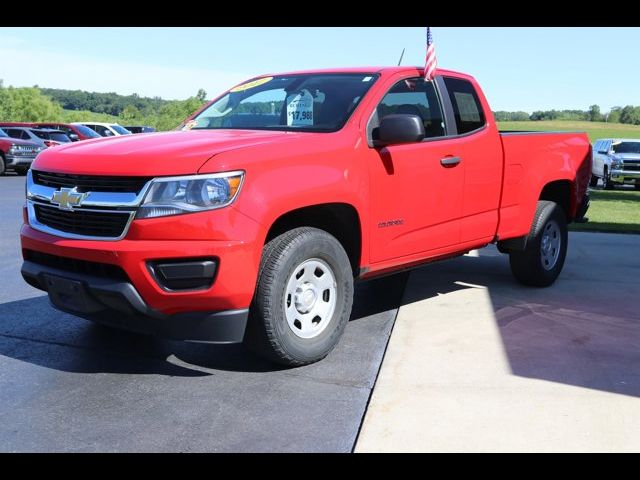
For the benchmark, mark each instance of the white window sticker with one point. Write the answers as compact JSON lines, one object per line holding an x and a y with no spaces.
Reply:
{"x":366,"y":79}
{"x":300,"y":108}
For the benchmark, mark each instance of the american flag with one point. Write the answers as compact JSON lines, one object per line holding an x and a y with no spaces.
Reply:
{"x":430,"y":62}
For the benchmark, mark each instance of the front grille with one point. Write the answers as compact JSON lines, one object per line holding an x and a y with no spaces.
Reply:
{"x":90,"y":183}
{"x":103,"y":270}
{"x":83,"y":222}
{"x":632,"y":167}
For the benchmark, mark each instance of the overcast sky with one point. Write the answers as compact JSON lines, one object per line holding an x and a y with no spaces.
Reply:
{"x":519,"y":68}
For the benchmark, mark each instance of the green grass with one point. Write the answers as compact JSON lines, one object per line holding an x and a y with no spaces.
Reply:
{"x":595,"y":130}
{"x":616,"y":211}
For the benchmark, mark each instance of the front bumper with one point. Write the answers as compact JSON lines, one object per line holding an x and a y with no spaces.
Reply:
{"x":117,"y":303}
{"x":226,"y":235}
{"x":18,"y":161}
{"x":625,"y":176}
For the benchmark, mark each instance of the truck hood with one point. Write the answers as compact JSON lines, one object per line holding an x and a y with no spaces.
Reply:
{"x":155,"y":154}
{"x":16,"y":141}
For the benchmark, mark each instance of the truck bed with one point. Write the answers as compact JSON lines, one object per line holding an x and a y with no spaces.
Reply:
{"x":529,"y":158}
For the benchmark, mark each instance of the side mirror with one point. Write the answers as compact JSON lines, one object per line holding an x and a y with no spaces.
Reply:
{"x":73,"y":137}
{"x":400,"y":128}
{"x":603,"y":152}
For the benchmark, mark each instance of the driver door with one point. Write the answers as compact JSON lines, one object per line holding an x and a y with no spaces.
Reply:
{"x":416,"y":193}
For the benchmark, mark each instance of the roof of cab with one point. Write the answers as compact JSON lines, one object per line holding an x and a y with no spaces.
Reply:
{"x":369,"y":69}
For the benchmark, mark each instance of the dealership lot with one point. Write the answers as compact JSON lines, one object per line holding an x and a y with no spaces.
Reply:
{"x":476,"y":362}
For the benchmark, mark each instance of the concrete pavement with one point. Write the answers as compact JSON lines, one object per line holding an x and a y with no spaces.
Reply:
{"x":479,"y":363}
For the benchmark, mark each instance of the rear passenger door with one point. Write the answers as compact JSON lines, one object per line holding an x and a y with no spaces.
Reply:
{"x":480,"y":149}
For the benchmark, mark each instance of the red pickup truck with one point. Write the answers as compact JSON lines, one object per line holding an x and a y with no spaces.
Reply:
{"x":251,"y":222}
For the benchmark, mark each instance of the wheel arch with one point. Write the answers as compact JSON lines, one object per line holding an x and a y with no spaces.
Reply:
{"x":560,"y":192}
{"x":339,"y":219}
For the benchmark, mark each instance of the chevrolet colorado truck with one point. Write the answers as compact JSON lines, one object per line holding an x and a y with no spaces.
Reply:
{"x":251,"y":221}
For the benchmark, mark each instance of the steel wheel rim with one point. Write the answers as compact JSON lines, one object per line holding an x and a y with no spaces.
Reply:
{"x":310,"y":298}
{"x":550,"y":245}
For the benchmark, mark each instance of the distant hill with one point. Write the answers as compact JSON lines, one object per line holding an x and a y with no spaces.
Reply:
{"x":108,"y":103}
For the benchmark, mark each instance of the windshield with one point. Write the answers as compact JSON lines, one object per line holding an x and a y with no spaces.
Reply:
{"x":86,"y":131}
{"x":311,"y":103}
{"x":41,"y":134}
{"x":121,"y":130}
{"x":626,"y":147}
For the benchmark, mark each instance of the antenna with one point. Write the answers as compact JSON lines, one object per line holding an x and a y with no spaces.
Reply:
{"x":401,"y":55}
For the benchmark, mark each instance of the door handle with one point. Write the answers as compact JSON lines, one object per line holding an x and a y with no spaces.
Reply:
{"x":449,"y":162}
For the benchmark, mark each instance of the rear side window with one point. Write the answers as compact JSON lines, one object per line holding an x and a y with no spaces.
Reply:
{"x":466,"y":105}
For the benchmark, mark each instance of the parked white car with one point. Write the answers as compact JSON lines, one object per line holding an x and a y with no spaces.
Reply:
{"x":616,"y":161}
{"x":105,"y":129}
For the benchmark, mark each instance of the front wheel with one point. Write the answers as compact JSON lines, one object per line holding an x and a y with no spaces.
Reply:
{"x":3,"y":166}
{"x":594,"y":181}
{"x":543,"y":258}
{"x":607,"y":184}
{"x":303,"y":298}
{"x":22,"y":171}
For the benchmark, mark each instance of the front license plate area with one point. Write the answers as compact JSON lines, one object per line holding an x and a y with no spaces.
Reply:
{"x":68,"y":294}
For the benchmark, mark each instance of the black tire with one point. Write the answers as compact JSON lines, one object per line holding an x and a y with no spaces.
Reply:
{"x":637,"y":186}
{"x":3,"y":167}
{"x":606,"y":181}
{"x":268,"y":331}
{"x":594,"y":181}
{"x":22,"y":171}
{"x":527,"y":266}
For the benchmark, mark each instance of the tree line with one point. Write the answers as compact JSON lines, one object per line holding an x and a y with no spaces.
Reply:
{"x":34,"y":104}
{"x":629,"y":114}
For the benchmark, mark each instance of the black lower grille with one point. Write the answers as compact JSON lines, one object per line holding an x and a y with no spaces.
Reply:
{"x":103,"y":270}
{"x":83,"y":222}
{"x":90,"y":183}
{"x":632,"y":167}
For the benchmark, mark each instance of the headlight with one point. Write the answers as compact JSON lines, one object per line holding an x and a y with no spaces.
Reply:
{"x":616,"y":163}
{"x":194,"y":193}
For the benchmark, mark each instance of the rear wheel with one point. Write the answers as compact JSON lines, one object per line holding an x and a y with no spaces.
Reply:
{"x":303,"y":298}
{"x":543,"y":258}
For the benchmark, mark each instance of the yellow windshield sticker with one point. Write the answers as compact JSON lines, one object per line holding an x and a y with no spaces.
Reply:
{"x":248,"y":85}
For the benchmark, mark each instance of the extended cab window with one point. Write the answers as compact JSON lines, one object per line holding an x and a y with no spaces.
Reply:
{"x":466,"y":105}
{"x":311,"y":103}
{"x":414,"y":96}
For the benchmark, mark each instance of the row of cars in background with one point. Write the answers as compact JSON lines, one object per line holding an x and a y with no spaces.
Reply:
{"x":20,"y":142}
{"x":616,"y":161}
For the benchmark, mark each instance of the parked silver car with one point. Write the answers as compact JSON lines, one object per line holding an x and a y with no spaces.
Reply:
{"x":616,"y":161}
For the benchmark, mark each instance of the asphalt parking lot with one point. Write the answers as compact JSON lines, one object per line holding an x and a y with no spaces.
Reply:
{"x":69,"y":385}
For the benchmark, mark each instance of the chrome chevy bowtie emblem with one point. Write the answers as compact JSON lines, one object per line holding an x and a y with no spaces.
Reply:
{"x":67,"y":198}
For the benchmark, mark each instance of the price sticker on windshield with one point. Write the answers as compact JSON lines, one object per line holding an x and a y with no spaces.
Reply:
{"x":300,"y":109}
